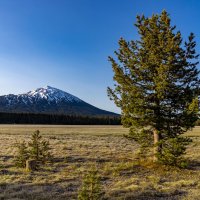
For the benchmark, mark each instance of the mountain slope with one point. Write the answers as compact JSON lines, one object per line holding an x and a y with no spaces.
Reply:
{"x":51,"y":101}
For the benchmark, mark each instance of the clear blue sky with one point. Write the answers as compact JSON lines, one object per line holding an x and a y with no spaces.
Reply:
{"x":65,"y":43}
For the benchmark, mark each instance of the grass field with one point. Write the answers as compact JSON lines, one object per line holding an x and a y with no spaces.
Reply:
{"x":76,"y":148}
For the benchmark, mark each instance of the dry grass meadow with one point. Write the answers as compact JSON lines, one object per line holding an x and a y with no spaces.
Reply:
{"x":76,"y":148}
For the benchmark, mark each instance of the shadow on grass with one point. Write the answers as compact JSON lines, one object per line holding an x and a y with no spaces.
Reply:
{"x":194,"y":165}
{"x":6,"y":158}
{"x":8,"y":172}
{"x":78,"y":159}
{"x":150,"y":194}
{"x":70,"y":190}
{"x":37,"y":191}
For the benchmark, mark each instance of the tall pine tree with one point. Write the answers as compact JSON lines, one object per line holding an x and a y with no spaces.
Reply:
{"x":157,"y":86}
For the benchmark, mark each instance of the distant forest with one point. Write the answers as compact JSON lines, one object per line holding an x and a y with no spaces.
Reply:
{"x":30,"y":118}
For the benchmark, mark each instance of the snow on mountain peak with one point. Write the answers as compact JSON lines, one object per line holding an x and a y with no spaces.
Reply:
{"x":48,"y":100}
{"x":52,"y":94}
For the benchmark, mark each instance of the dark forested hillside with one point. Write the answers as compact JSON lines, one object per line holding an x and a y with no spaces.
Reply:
{"x":32,"y":118}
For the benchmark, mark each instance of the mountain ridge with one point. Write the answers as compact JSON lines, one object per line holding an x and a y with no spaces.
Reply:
{"x":49,"y":100}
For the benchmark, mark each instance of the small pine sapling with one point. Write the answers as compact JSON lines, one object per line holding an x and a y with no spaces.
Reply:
{"x":91,"y":188}
{"x":22,"y":155}
{"x":35,"y":146}
{"x":45,"y":151}
{"x":37,"y":150}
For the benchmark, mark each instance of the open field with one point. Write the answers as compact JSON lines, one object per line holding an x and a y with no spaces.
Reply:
{"x":76,"y":148}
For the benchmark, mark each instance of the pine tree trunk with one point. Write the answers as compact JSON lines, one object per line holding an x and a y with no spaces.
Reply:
{"x":31,"y":165}
{"x":156,"y":147}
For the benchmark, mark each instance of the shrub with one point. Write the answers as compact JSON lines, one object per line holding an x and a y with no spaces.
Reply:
{"x":35,"y":146}
{"x":22,"y":155}
{"x":91,"y":189}
{"x":37,"y":149}
{"x":173,"y":150}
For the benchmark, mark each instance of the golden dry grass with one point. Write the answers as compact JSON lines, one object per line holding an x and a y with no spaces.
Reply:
{"x":76,"y":148}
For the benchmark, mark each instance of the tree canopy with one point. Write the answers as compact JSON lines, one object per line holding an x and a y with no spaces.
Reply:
{"x":157,"y":85}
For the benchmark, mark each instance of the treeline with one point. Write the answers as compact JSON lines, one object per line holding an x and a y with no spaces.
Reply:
{"x":29,"y":118}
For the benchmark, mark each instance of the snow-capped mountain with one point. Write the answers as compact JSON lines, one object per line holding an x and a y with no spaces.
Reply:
{"x":48,"y":100}
{"x":46,"y":93}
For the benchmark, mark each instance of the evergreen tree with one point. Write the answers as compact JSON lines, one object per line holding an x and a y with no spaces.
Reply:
{"x":35,"y":146}
{"x":22,"y":155}
{"x":157,"y":86}
{"x":45,"y":151}
{"x":91,"y":189}
{"x":39,"y":149}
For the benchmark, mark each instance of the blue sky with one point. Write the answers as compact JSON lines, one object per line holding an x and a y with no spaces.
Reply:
{"x":65,"y":43}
